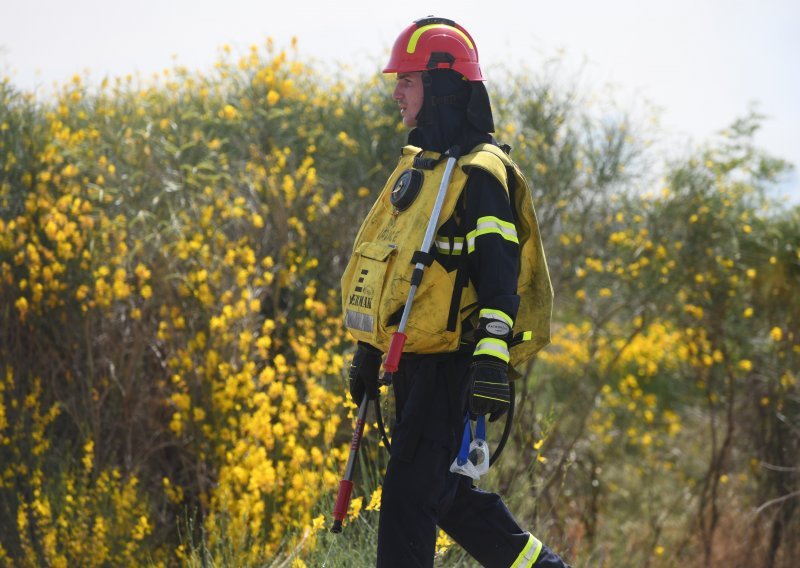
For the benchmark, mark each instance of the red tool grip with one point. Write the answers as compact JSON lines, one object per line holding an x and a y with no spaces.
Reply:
{"x":395,"y":350}
{"x":342,"y":500}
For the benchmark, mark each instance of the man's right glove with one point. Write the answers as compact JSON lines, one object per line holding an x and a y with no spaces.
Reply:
{"x":364,"y":372}
{"x":489,"y":390}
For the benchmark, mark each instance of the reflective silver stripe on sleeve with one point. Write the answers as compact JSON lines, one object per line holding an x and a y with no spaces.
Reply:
{"x":495,"y":225}
{"x":443,"y":245}
{"x":359,"y":321}
{"x":494,"y":347}
{"x":492,"y":225}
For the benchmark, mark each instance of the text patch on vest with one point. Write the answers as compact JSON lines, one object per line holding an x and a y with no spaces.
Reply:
{"x":372,"y":261}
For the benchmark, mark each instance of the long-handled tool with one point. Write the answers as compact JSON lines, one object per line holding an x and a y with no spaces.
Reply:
{"x":346,"y":484}
{"x":399,"y":337}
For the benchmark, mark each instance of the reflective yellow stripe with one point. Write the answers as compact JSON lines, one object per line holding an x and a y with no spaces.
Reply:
{"x":527,"y":335}
{"x":412,"y":43}
{"x":490,"y":313}
{"x":529,"y":554}
{"x":492,"y":225}
{"x":494,"y":347}
{"x":486,"y":395}
{"x":489,"y":397}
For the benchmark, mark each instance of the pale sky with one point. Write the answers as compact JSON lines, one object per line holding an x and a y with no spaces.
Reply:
{"x":702,"y":62}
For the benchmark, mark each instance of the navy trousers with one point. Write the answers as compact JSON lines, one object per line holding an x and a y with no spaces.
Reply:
{"x":419,"y":491}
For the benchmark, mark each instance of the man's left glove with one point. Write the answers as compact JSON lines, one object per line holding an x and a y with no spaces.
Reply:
{"x":489,"y":390}
{"x":488,"y":375}
{"x":364,"y":372}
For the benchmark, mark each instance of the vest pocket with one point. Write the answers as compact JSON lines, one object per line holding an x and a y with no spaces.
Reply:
{"x":363,"y":286}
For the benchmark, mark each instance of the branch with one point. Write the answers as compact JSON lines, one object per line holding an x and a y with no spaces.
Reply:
{"x":777,"y":500}
{"x":769,"y":466}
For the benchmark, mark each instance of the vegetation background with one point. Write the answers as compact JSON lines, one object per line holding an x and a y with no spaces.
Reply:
{"x":172,"y":385}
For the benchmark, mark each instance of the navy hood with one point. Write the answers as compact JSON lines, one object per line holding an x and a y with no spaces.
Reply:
{"x":454,"y":112}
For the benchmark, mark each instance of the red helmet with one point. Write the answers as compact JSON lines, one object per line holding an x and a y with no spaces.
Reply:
{"x":435,"y":43}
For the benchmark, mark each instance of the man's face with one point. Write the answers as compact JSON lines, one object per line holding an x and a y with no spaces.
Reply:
{"x":409,"y":95}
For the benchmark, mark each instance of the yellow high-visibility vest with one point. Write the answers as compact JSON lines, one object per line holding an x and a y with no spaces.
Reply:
{"x":377,"y":279}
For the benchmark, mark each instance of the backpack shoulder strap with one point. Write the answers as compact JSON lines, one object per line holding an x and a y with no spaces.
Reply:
{"x":489,"y":158}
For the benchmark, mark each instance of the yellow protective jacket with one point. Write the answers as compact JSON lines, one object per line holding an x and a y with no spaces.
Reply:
{"x":377,"y":279}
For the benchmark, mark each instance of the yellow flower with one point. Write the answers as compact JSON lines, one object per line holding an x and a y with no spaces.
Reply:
{"x":594,"y":264}
{"x":355,"y":507}
{"x":142,"y":529}
{"x":22,"y":307}
{"x":696,"y":311}
{"x":229,"y":112}
{"x":88,"y":455}
{"x":776,"y":333}
{"x":745,"y":365}
{"x":375,"y":500}
{"x":176,"y":424}
{"x":273,"y":97}
{"x":443,"y":543}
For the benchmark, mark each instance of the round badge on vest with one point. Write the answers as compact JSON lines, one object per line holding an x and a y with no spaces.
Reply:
{"x":406,"y":189}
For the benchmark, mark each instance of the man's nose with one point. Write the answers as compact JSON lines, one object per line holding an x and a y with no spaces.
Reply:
{"x":396,"y":94}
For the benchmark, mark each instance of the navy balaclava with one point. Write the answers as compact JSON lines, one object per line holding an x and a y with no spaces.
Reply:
{"x":454,"y":111}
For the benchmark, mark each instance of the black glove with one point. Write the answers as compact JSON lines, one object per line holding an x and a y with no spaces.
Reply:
{"x":364,"y":373}
{"x":489,"y":390}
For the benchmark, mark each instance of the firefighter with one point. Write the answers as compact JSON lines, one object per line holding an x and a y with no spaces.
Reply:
{"x":467,"y":310}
